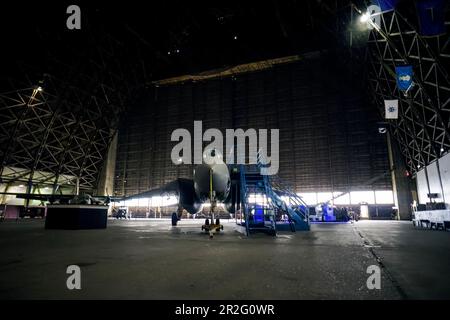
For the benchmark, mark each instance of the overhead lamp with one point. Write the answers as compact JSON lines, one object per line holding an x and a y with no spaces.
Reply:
{"x":364,"y":17}
{"x":371,"y":17}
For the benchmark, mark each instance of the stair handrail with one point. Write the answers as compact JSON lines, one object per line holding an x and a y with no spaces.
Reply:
{"x":304,"y":214}
{"x":245,"y":197}
{"x":244,"y":209}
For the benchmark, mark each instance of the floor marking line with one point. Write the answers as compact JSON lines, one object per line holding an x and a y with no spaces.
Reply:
{"x":370,"y":247}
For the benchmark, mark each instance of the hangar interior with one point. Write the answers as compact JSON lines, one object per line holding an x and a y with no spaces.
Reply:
{"x":87,"y":116}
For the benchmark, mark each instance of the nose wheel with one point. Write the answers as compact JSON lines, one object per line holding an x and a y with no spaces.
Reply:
{"x":212,"y":228}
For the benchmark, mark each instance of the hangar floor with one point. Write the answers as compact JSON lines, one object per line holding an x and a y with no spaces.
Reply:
{"x":152,"y":260}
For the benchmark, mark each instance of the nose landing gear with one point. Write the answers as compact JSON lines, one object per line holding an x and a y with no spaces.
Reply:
{"x":212,"y":228}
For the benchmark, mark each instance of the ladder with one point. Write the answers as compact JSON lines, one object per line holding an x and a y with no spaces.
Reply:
{"x":258,"y":216}
{"x":261,"y":216}
{"x":296,"y":209}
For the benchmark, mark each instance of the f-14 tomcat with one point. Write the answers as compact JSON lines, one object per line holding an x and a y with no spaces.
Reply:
{"x":211,"y":183}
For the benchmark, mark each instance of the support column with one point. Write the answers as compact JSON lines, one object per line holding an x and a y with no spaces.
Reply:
{"x":29,"y":191}
{"x":401,"y":184}
{"x":77,"y":186}
{"x":106,"y":179}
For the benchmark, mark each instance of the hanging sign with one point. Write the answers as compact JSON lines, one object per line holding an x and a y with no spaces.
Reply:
{"x":391,"y":109}
{"x":404,"y":77}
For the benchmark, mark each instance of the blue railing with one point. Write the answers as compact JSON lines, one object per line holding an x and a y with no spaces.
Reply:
{"x":296,"y":208}
{"x":252,"y":182}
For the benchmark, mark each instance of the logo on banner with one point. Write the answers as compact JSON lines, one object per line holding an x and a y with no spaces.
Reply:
{"x":404,"y":77}
{"x":391,"y":109}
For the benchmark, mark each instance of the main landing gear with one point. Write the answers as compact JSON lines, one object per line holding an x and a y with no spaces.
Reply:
{"x":176,"y":216}
{"x":174,"y":219}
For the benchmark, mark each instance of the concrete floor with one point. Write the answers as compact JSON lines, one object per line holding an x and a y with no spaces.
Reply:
{"x":152,"y":260}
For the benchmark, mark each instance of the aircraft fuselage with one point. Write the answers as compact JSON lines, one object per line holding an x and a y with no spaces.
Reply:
{"x":212,"y":176}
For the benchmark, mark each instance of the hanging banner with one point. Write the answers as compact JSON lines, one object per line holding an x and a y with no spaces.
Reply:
{"x":404,"y":77}
{"x":431,"y":17}
{"x":391,"y":109}
{"x":386,"y":4}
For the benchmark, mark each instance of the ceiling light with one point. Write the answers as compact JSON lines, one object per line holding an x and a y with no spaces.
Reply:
{"x":364,"y":17}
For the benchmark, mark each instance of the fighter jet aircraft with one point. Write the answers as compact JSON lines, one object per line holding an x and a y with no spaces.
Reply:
{"x":211,"y":183}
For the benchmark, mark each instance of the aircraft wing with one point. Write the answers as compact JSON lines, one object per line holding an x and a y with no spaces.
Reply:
{"x":181,"y":187}
{"x":171,"y":188}
{"x":42,"y":197}
{"x":62,"y":198}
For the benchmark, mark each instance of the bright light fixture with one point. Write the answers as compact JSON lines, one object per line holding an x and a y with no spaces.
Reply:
{"x":365,"y":17}
{"x":40,"y":89}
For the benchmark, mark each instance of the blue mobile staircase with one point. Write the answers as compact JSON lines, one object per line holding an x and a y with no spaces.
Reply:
{"x":274,"y":198}
{"x":257,"y":215}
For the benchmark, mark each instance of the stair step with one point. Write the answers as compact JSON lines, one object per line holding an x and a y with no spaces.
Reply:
{"x":260,"y":228}
{"x":254,"y":178}
{"x":253,"y":182}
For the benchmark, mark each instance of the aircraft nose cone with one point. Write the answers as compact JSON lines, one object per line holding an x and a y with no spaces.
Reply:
{"x":220,"y":180}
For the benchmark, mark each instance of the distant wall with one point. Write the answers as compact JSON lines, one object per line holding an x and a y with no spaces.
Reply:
{"x":329,"y":138}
